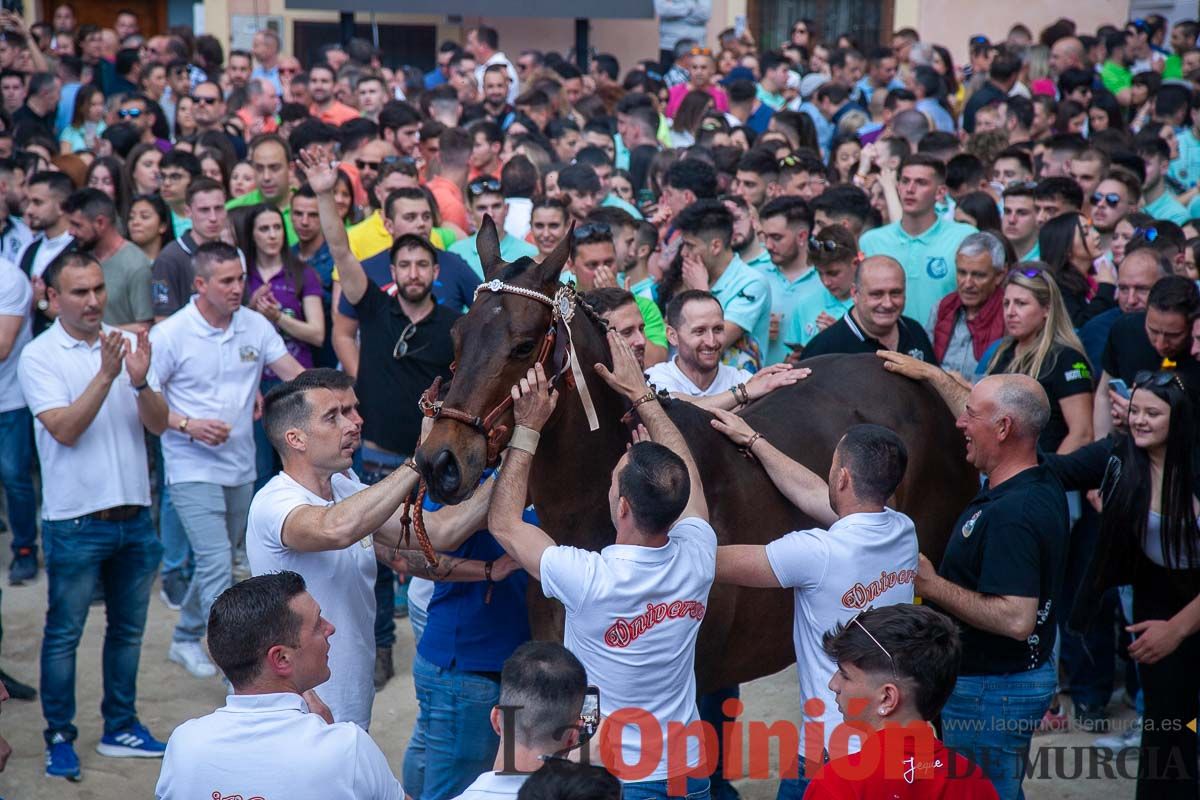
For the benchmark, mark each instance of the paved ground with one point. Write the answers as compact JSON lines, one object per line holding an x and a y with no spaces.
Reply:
{"x":169,"y":696}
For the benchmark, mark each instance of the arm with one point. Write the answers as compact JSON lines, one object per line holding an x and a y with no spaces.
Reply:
{"x":312,"y":529}
{"x":310,"y":330}
{"x":732,"y":333}
{"x":450,"y":569}
{"x":152,"y":407}
{"x":1102,"y":408}
{"x":761,"y":384}
{"x":322,"y":177}
{"x":67,"y":424}
{"x":449,"y":526}
{"x":1077,"y":411}
{"x":953,"y":393}
{"x":524,"y":542}
{"x":1005,"y":615}
{"x":286,"y":367}
{"x":745,"y":565}
{"x":345,"y":340}
{"x":800,"y":485}
{"x":1157,"y":638}
{"x":627,"y":378}
{"x":10,"y":328}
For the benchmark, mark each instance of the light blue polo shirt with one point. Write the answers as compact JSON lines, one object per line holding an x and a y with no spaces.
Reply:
{"x":613,"y":201}
{"x":927,"y":258}
{"x":745,"y":296}
{"x":1186,"y":168}
{"x":760,"y":262}
{"x":1034,"y":254}
{"x":791,"y":298}
{"x":511,"y":249}
{"x":802,"y":327}
{"x":1168,"y":208}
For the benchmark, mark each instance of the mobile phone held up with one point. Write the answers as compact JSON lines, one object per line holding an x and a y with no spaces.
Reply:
{"x":590,"y":714}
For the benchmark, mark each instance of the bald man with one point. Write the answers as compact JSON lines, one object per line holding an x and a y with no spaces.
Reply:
{"x":1067,"y":53}
{"x":1002,"y":569}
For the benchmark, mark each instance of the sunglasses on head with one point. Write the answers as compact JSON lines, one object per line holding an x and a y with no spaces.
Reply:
{"x":129,"y":113}
{"x":979,"y":40}
{"x":592,"y":229}
{"x":856,"y":621}
{"x":1158,"y":379}
{"x":817,"y":245}
{"x":700,"y":51}
{"x":482,"y":185}
{"x":1149,"y":234}
{"x":1111,"y":198}
{"x":1027,"y":272}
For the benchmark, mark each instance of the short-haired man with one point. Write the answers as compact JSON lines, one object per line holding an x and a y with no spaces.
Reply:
{"x":93,"y":219}
{"x":1088,"y":169}
{"x":450,"y":184}
{"x":209,"y":359}
{"x":1020,"y":224}
{"x":877,"y":320}
{"x":968,"y":320}
{"x":52,"y":235}
{"x":271,"y":159}
{"x":665,"y":552}
{"x":756,"y":171}
{"x":896,"y":666}
{"x":273,"y":737}
{"x":1157,"y":200}
{"x":371,"y":92}
{"x":786,"y":224}
{"x":173,"y":275}
{"x":843,"y":205}
{"x":1116,"y":195}
{"x":238,"y":68}
{"x":710,"y":265}
{"x":865,"y":539}
{"x":485,"y":199}
{"x":325,"y":106}
{"x":177,"y":169}
{"x":483,"y":43}
{"x":802,"y":175}
{"x":91,"y":391}
{"x":1012,"y":165}
{"x":1136,"y":275}
{"x":1002,"y":571}
{"x":542,"y":685}
{"x":695,"y":324}
{"x":923,"y":243}
{"x":311,"y":247}
{"x":1055,"y":196}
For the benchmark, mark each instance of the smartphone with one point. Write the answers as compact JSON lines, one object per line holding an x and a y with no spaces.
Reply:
{"x":1119,"y":386}
{"x":645,"y":197}
{"x":590,"y":714}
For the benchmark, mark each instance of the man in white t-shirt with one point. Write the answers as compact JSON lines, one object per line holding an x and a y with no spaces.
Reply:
{"x":541,"y":696}
{"x":316,"y":519}
{"x":867,"y":557}
{"x":633,"y":609}
{"x":209,"y":357}
{"x":273,"y":738}
{"x":16,"y":425}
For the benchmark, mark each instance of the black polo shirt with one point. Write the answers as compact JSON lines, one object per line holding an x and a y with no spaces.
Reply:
{"x":1065,"y":373}
{"x":845,"y":336}
{"x":1128,"y":351}
{"x":1011,"y":540}
{"x":389,"y":388}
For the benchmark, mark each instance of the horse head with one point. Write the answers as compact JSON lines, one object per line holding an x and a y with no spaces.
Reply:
{"x":495,"y":343}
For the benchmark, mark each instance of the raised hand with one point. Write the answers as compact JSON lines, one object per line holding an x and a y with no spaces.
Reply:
{"x":320,"y":170}
{"x":626,"y":377}
{"x":137,"y":362}
{"x":604,"y":278}
{"x":533,"y":399}
{"x":112,"y":353}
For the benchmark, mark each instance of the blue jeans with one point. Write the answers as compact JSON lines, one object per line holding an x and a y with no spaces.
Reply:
{"x":214,"y":518}
{"x":794,"y":788}
{"x":16,"y":473}
{"x":123,"y":557}
{"x":990,"y":719}
{"x":266,"y":461}
{"x":377,"y":465}
{"x":176,"y":550}
{"x":709,"y":706}
{"x":697,"y":789}
{"x":458,"y":743}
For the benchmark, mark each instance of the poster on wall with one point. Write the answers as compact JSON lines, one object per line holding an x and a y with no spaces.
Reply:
{"x":242,"y":28}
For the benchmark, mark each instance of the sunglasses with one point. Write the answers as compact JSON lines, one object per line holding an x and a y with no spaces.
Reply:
{"x":817,"y":245}
{"x":206,"y":101}
{"x":367,"y":165}
{"x":1030,"y":185}
{"x":288,"y":71}
{"x":1112,"y":199}
{"x":1149,"y":234}
{"x":855,"y":621}
{"x":401,"y":348}
{"x":592,"y":229}
{"x":482,"y":185}
{"x":1157,"y":379}
{"x":129,"y":113}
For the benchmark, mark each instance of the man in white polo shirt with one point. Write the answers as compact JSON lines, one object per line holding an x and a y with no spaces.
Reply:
{"x":209,"y":359}
{"x":664,"y":557}
{"x":319,"y":521}
{"x":273,"y":738}
{"x":542,"y":687}
{"x":90,"y":390}
{"x":868,"y":557}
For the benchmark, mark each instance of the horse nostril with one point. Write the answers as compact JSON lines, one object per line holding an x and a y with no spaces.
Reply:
{"x":445,"y":468}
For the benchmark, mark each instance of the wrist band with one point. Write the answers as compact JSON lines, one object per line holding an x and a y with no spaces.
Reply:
{"x":740,"y":394}
{"x":142,"y":388}
{"x":525,"y":439}
{"x":750,"y":446}
{"x":649,"y":397}
{"x":412,"y":464}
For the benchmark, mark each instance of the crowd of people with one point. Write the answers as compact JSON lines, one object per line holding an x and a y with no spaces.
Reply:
{"x":226,"y":279}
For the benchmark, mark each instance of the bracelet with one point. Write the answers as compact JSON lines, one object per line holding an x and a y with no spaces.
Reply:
{"x":142,"y":388}
{"x":740,"y":394}
{"x":750,"y":446}
{"x":524,"y":439}
{"x":649,"y":397}
{"x":412,"y":464}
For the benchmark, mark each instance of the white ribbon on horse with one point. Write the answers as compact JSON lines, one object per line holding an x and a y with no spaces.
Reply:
{"x":564,"y":309}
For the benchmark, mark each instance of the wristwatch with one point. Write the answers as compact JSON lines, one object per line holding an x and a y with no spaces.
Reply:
{"x":183,"y":423}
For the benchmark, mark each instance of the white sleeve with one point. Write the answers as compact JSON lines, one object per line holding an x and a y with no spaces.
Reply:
{"x":373,"y":778}
{"x":800,"y":559}
{"x":162,"y":356}
{"x":567,"y":574}
{"x":268,"y":511}
{"x":16,"y":293}
{"x":41,"y":384}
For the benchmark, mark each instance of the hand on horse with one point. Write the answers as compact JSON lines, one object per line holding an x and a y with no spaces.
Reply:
{"x":533,"y":399}
{"x":319,"y":168}
{"x":733,"y":426}
{"x":626,"y":376}
{"x":639,"y":435}
{"x":773,"y":377}
{"x":907,"y":366}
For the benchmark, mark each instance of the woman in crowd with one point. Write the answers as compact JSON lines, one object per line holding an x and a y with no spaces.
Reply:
{"x":1150,"y":488}
{"x":212,"y":167}
{"x":844,"y":156}
{"x":1041,"y":343}
{"x":141,"y":169}
{"x":242,"y":180}
{"x":1071,"y":246}
{"x":185,"y":118}
{"x":548,"y":224}
{"x":1124,"y":231}
{"x":107,"y":174}
{"x":688,"y":116}
{"x":150,"y":224}
{"x":87,"y":121}
{"x":978,"y":209}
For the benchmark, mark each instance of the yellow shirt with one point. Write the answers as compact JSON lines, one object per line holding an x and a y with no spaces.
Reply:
{"x":370,"y":238}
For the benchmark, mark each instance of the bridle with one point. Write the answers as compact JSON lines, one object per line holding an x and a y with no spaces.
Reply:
{"x":554,"y":350}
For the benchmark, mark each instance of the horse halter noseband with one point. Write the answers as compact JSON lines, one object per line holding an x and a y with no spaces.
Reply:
{"x":562,"y":311}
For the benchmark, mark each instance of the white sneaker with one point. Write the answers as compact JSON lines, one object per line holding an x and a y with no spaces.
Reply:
{"x":1117,"y":742}
{"x":192,"y":657}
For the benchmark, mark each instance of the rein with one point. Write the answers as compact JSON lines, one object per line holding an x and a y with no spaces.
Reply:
{"x":552,"y":351}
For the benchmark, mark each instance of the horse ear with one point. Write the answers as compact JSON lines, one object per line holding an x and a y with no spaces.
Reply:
{"x":487,"y":242}
{"x":552,"y":266}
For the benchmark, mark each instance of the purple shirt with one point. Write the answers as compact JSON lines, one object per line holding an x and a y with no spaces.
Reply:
{"x":292,"y":304}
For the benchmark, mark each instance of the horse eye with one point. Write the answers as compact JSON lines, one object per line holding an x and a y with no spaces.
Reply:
{"x":522,"y":350}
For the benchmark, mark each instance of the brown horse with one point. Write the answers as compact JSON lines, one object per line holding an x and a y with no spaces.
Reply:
{"x":746,"y":632}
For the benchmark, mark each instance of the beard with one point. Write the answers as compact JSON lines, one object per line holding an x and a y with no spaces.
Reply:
{"x":416,"y":294}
